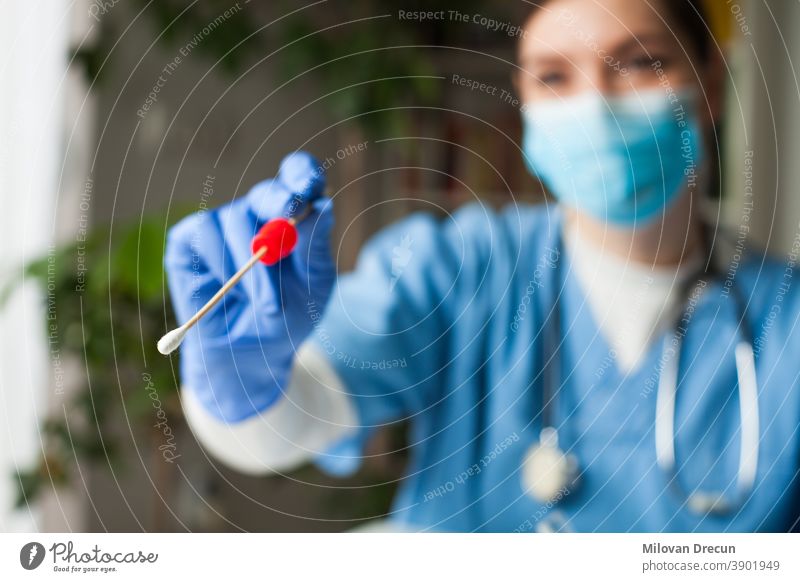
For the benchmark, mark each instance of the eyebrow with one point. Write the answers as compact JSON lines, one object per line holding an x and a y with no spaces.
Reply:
{"x":536,"y":60}
{"x":639,"y":41}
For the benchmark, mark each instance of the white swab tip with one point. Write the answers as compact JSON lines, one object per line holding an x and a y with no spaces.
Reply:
{"x":170,"y":342}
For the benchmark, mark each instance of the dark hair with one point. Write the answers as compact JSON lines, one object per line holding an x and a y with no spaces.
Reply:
{"x":689,"y":15}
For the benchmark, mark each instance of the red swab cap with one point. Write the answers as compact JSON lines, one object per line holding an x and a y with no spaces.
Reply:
{"x":279,"y":236}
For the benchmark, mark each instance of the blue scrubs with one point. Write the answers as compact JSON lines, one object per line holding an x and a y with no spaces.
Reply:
{"x":441,"y":324}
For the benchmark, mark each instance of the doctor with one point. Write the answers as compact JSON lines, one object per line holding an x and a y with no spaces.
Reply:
{"x":593,"y":365}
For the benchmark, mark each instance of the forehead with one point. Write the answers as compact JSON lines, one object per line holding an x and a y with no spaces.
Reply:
{"x":569,"y":27}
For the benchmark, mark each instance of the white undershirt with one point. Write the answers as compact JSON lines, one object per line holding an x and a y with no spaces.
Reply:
{"x":629,"y":301}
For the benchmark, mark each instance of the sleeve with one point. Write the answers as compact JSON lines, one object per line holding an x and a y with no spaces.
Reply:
{"x":313,"y":413}
{"x":387,"y":328}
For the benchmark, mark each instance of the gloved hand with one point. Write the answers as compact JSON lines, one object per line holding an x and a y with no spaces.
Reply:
{"x":238,"y":357}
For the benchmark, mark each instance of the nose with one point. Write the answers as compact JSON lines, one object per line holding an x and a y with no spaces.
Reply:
{"x":602,"y":75}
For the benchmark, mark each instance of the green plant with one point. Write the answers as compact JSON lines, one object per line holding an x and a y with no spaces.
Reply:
{"x":372,"y":65}
{"x":104,"y":317}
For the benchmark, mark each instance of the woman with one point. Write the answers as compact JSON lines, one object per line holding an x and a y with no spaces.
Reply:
{"x":577,"y":367}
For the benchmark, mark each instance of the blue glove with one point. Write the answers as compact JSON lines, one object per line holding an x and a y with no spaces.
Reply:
{"x":238,"y":357}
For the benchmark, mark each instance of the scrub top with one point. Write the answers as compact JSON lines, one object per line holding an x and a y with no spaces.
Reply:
{"x":442,"y":324}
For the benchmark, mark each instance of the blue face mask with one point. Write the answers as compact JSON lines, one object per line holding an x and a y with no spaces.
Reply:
{"x":621,"y":159}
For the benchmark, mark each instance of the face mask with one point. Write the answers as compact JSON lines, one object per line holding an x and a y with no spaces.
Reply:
{"x":621,"y":159}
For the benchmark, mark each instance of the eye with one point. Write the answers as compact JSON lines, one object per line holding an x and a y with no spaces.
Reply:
{"x":550,"y":78}
{"x":643,"y":62}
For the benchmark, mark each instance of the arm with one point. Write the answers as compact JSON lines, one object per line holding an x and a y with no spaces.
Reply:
{"x":313,"y":414}
{"x":375,"y":356}
{"x":396,"y":308}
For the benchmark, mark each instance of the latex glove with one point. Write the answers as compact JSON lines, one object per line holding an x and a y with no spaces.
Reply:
{"x":238,"y":357}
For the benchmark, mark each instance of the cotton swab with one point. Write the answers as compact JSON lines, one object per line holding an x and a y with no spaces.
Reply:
{"x":274,"y":241}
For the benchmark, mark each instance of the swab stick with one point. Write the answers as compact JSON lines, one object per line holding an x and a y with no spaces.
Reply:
{"x":274,"y":241}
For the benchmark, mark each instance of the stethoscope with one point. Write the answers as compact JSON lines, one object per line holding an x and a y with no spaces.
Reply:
{"x":550,"y":474}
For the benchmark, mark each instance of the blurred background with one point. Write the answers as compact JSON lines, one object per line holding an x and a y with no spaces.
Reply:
{"x":119,"y":117}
